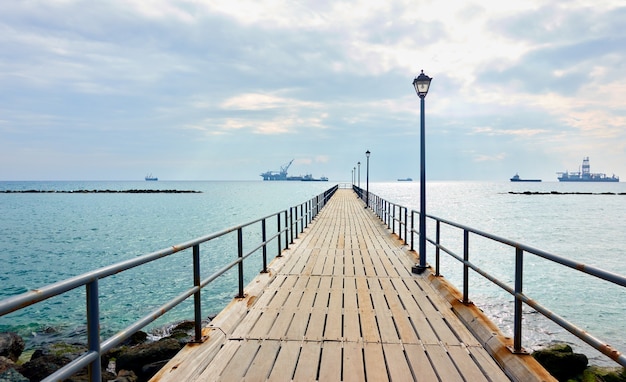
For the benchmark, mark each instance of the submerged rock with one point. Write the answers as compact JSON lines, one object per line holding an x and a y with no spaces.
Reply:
{"x":11,"y":346}
{"x":561,"y":361}
{"x":135,"y":358}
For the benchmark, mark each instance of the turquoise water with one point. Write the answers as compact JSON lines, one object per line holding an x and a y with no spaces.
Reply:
{"x":47,"y":237}
{"x":586,"y":228}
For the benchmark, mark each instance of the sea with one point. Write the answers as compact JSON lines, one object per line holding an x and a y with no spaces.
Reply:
{"x":50,"y":236}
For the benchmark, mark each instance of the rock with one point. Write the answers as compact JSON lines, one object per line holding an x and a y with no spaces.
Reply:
{"x":561,"y":361}
{"x":136,"y":357}
{"x":604,"y":374}
{"x":6,"y":364}
{"x":40,"y":367}
{"x":12,"y":375}
{"x":125,"y":376}
{"x":11,"y":346}
{"x":136,"y":338}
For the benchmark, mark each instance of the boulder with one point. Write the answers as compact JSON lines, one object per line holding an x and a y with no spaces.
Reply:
{"x":12,"y":375}
{"x":561,"y":361}
{"x":42,"y":366}
{"x":11,"y":346}
{"x":137,"y":357}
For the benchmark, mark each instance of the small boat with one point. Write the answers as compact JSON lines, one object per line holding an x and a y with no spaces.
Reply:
{"x":516,"y":178}
{"x":405,"y":180}
{"x":149,"y":177}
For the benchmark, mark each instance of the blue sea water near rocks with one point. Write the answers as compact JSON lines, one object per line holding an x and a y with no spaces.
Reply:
{"x":47,"y":237}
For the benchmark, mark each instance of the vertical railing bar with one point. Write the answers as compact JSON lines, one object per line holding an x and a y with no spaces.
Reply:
{"x":437,"y":249}
{"x":287,"y":228}
{"x":290,"y":225}
{"x":279,"y":228}
{"x":412,"y":229}
{"x":240,"y":265}
{"x":517,"y":314}
{"x":393,"y":218}
{"x":93,"y":328}
{"x":406,"y":226}
{"x":465,"y":266}
{"x":197,"y":301}
{"x":264,"y":238}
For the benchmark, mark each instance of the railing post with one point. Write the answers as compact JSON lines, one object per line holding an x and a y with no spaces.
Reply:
{"x":406,"y":226}
{"x":438,"y":240}
{"x":287,"y":228}
{"x":93,"y":329}
{"x":290,"y":225}
{"x":412,"y":229}
{"x":240,"y":265}
{"x":278,"y":228}
{"x":392,"y":219}
{"x":264,"y":238}
{"x":197,"y":301}
{"x":465,"y":266}
{"x":517,"y":314}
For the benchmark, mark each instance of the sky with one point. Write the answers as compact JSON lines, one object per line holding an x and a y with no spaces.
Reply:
{"x":228,"y":89}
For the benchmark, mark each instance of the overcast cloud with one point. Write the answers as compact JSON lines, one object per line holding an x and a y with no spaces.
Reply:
{"x":224,"y":90}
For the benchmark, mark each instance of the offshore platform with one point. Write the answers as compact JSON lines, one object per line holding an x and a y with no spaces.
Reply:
{"x":282,"y":175}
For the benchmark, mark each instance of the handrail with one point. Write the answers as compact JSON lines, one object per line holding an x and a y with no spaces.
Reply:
{"x":386,"y":211}
{"x":294,"y":222}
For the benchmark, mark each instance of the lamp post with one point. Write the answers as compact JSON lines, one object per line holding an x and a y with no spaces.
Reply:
{"x":367,"y":181}
{"x":421,"y":84}
{"x":359,"y":165}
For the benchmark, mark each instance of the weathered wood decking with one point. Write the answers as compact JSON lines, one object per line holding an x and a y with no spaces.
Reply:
{"x":341,"y":304}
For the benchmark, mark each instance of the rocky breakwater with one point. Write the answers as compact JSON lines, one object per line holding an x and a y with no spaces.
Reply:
{"x":136,"y":360}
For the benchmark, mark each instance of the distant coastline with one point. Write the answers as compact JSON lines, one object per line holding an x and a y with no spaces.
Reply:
{"x":134,"y":191}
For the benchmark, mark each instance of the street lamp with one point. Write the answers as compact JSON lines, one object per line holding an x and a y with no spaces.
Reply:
{"x":367,"y":182}
{"x":359,"y":164}
{"x":421,"y":84}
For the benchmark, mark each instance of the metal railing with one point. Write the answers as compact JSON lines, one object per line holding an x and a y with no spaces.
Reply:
{"x":394,"y":215}
{"x":289,"y":224}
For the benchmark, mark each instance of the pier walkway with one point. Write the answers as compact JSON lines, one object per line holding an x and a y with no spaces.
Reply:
{"x":341,"y":304}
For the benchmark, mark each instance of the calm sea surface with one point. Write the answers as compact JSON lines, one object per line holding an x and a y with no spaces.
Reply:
{"x":47,"y":237}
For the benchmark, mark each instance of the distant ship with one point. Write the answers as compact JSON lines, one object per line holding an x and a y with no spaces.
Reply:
{"x":405,"y":180}
{"x":151,"y":178}
{"x":585,"y":175}
{"x":282,"y":175}
{"x":516,"y":178}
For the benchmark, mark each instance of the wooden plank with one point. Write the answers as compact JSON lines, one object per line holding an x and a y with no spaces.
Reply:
{"x":285,"y":362}
{"x":317,"y":321}
{"x":487,"y":364}
{"x":397,"y":363}
{"x":461,"y":357}
{"x":374,"y":362}
{"x":331,"y":362}
{"x":420,"y":364}
{"x":306,"y":369}
{"x":443,"y":365}
{"x":263,"y":363}
{"x":353,"y":367}
{"x":369,"y":326}
{"x":298,"y":326}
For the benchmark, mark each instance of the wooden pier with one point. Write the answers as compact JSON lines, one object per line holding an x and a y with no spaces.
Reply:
{"x":341,"y":304}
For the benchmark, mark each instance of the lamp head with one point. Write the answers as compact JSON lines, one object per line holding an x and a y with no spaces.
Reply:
{"x":421,"y":84}
{"x":367,"y":153}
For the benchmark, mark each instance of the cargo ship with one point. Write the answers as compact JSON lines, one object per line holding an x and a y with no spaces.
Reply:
{"x":516,"y":178}
{"x":585,"y":175}
{"x":151,"y":178}
{"x":282,"y":175}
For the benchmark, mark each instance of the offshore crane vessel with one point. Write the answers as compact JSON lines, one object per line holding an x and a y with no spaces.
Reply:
{"x":282,"y":175}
